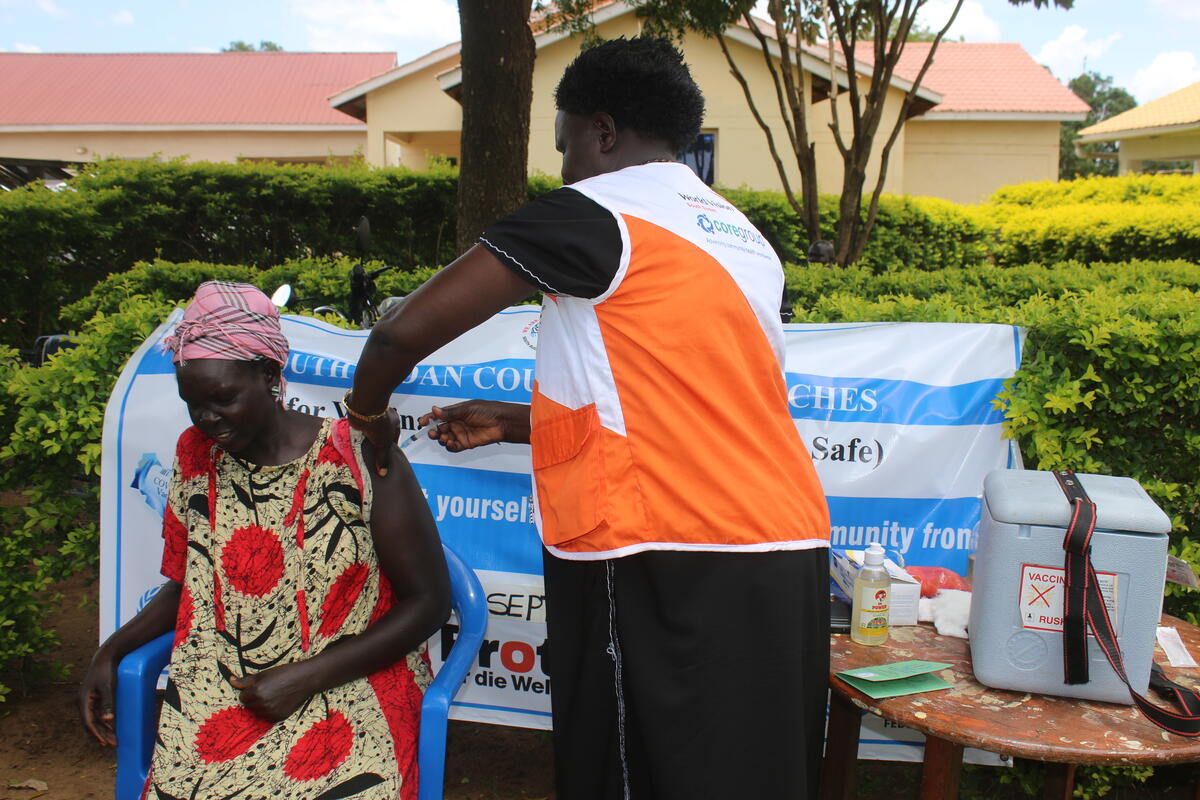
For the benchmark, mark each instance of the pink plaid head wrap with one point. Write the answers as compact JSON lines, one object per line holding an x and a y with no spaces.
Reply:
{"x":233,"y":321}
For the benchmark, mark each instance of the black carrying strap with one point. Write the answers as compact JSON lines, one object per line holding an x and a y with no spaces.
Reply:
{"x":1083,"y":608}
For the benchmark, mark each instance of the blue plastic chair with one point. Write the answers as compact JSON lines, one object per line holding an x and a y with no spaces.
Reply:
{"x":137,"y":677}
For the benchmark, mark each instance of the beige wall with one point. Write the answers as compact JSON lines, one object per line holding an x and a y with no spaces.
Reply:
{"x":415,"y":150}
{"x":547,"y":69}
{"x":415,"y":104}
{"x":1177,"y":147}
{"x":195,"y":145}
{"x":966,"y":161}
{"x":742,"y":156}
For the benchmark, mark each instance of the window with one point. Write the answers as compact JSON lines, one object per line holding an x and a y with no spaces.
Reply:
{"x":701,"y":157}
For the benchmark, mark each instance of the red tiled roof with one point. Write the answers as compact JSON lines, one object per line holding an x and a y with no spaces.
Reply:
{"x":180,"y":89}
{"x":987,"y":77}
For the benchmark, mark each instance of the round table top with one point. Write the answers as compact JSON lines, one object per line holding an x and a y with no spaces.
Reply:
{"x":1034,"y":726}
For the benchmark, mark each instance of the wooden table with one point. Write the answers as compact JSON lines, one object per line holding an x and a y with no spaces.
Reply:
{"x":1062,"y":731}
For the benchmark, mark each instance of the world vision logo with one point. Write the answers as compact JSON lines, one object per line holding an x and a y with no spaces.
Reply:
{"x":719,"y":228}
{"x":529,"y":334}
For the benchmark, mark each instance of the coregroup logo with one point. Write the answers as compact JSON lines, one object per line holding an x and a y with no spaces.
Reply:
{"x":716,"y":226}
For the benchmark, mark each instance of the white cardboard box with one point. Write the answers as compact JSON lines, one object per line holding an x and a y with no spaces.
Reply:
{"x":905,"y":590}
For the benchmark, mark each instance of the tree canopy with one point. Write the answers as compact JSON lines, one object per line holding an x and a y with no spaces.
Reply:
{"x":1106,"y":101}
{"x":245,"y":47}
{"x":865,"y":39}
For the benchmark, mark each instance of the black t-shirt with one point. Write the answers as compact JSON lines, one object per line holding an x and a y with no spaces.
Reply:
{"x":564,"y":242}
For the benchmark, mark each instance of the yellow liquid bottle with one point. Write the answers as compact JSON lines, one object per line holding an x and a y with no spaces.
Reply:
{"x":869,"y":612}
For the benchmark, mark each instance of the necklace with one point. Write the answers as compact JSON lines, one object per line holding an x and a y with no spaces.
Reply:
{"x":658,"y":161}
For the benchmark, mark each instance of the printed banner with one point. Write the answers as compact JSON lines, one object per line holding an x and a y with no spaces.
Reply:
{"x":899,"y":419}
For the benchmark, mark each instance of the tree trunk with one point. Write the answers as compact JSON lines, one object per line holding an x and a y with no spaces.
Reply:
{"x":791,"y":95}
{"x":497,"y":90}
{"x":847,"y":22}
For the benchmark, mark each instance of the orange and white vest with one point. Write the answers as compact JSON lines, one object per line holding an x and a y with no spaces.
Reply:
{"x":659,"y":416}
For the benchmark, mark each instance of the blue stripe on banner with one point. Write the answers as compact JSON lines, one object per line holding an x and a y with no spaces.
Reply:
{"x":510,"y":709}
{"x":925,"y":532}
{"x":508,"y":379}
{"x":833,"y":399}
{"x":156,"y":362}
{"x":484,"y":515}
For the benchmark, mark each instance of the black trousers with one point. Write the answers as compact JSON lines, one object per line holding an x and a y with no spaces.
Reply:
{"x":689,"y":675}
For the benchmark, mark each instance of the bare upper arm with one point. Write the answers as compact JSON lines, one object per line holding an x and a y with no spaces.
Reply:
{"x":403,"y":531}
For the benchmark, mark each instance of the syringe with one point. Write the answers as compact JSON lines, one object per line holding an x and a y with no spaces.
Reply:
{"x":419,"y":432}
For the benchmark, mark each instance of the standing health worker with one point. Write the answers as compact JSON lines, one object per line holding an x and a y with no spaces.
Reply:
{"x":685,"y":530}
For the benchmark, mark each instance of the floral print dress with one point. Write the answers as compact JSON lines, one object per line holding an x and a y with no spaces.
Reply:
{"x":277,"y":563}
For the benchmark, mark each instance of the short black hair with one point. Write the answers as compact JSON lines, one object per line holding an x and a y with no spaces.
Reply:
{"x":642,"y":83}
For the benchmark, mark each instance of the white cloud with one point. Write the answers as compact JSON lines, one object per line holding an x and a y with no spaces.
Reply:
{"x":972,"y":23}
{"x":50,"y":7}
{"x":122,"y":17}
{"x":1179,"y":9}
{"x":1166,"y":73}
{"x":22,"y":47}
{"x":1069,"y":54}
{"x":409,"y":27}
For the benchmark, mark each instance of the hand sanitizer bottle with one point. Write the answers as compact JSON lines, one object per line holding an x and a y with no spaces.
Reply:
{"x":869,"y":616}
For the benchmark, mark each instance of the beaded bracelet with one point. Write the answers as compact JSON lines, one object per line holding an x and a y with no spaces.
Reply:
{"x":358,"y":416}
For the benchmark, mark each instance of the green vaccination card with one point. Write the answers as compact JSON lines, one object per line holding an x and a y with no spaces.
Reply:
{"x":893,"y":680}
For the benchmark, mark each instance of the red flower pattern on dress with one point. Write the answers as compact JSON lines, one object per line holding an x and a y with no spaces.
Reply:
{"x":400,"y":700}
{"x":174,"y":559}
{"x":341,"y":599}
{"x":321,"y":749}
{"x":229,"y":733}
{"x":328,"y":453}
{"x":183,"y":620}
{"x":194,"y":453}
{"x":252,"y":560}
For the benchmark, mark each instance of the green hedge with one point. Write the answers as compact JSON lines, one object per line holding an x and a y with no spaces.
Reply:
{"x":314,"y":281}
{"x":1094,"y":232}
{"x":54,"y":246}
{"x":1125,"y":189}
{"x":988,"y":285}
{"x":1095,"y":219}
{"x":910,"y":232}
{"x":52,"y":457}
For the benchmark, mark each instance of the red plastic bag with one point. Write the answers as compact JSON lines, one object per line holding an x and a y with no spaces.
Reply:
{"x":934,"y":578}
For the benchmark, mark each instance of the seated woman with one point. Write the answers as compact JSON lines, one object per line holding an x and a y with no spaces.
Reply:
{"x":297,"y":580}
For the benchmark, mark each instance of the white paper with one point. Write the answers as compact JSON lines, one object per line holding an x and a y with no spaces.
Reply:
{"x":1172,"y":645}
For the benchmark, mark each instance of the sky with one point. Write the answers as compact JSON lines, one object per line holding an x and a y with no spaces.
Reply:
{"x":1148,"y":47}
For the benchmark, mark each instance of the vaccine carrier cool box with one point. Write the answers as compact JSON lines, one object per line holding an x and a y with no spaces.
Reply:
{"x":1019,"y":580}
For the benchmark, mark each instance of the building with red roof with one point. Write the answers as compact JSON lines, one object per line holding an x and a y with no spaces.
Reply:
{"x":997,"y":122}
{"x":984,"y":116}
{"x":73,"y":107}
